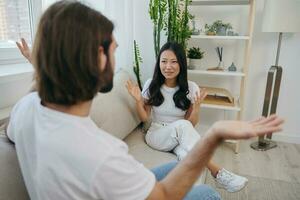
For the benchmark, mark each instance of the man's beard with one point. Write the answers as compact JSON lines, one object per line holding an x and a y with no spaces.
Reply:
{"x":107,"y":79}
{"x":107,"y":88}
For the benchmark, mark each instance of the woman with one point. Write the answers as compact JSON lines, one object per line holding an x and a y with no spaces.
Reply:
{"x":174,"y":103}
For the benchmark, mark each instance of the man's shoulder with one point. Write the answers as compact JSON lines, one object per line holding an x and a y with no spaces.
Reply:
{"x":26,"y":100}
{"x":25,"y":103}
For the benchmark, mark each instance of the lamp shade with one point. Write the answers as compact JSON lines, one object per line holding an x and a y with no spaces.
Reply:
{"x":281,"y":16}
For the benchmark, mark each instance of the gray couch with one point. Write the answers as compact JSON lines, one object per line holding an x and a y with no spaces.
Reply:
{"x":113,"y":112}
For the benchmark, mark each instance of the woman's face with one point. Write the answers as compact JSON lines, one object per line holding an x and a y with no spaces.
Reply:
{"x":169,"y":65}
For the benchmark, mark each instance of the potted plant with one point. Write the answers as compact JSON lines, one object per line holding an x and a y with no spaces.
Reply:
{"x":217,"y":28}
{"x":195,"y":55}
{"x":210,"y":29}
{"x":221,"y":28}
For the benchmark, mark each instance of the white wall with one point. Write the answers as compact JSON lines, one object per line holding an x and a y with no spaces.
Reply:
{"x":14,"y":83}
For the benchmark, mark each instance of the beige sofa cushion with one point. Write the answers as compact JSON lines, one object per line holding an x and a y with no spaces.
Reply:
{"x":145,"y":154}
{"x":115,"y":111}
{"x":11,"y":181}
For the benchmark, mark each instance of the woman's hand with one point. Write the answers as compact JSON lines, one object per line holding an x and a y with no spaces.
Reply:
{"x":200,"y":96}
{"x":134,"y":90}
{"x":24,"y":49}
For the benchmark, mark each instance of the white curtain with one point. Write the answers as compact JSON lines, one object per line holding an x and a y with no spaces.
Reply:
{"x":121,"y":13}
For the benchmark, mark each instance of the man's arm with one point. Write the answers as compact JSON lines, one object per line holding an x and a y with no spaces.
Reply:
{"x":180,"y":180}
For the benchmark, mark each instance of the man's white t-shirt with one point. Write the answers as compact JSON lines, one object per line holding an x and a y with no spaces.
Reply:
{"x":167,"y":112}
{"x":64,"y":156}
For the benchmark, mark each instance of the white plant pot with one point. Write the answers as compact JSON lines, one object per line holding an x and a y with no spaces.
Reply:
{"x":194,"y":63}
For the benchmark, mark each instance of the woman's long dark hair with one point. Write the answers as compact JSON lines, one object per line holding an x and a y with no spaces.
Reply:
{"x":180,"y":97}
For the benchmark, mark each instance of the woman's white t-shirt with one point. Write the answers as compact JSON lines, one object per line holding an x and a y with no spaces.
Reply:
{"x":167,"y":112}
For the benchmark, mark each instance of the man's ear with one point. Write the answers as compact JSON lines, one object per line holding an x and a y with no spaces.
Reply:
{"x":102,"y":58}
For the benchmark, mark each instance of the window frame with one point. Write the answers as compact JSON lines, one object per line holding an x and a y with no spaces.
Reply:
{"x":10,"y":54}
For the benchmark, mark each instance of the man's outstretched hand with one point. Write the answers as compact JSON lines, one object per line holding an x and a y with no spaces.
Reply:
{"x":245,"y":130}
{"x":24,"y":49}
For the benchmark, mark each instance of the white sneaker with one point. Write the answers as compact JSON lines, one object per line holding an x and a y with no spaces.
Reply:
{"x":230,"y":181}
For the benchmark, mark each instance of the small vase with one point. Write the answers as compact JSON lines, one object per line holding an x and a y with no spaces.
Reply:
{"x":232,"y":67}
{"x":194,"y":63}
{"x":230,"y":33}
{"x":220,"y":65}
{"x":194,"y":30}
{"x":221,"y":30}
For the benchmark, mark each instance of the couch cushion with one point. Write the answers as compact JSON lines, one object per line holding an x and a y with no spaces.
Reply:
{"x":11,"y":182}
{"x":115,"y":111}
{"x":145,"y":154}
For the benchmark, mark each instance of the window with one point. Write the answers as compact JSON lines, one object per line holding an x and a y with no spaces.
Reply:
{"x":14,"y":21}
{"x":17,"y":19}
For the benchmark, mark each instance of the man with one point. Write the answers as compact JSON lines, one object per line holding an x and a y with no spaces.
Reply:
{"x":63,"y":154}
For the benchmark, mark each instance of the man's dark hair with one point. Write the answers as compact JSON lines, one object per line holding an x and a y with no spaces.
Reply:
{"x":66,"y":53}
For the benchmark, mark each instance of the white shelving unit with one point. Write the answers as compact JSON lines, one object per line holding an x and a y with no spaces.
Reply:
{"x":239,"y":106}
{"x":232,"y":108}
{"x":217,"y":37}
{"x":217,"y":73}
{"x":220,"y":2}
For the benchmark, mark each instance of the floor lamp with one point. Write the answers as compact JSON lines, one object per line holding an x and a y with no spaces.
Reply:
{"x":280,"y":16}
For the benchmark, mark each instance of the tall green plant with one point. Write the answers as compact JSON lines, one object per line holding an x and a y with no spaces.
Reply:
{"x":173,"y":17}
{"x":178,"y":29}
{"x":157,"y":10}
{"x":137,"y":60}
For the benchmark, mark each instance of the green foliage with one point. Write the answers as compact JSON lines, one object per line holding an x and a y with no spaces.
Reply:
{"x":157,"y":12}
{"x":210,"y":29}
{"x":173,"y":17}
{"x":216,"y":26}
{"x":195,"y":53}
{"x":137,"y":60}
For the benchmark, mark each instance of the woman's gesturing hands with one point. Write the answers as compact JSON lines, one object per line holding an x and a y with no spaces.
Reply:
{"x":200,"y":96}
{"x":24,"y":49}
{"x":134,"y":90}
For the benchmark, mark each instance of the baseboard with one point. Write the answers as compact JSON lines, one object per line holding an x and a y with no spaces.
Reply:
{"x":295,"y":139}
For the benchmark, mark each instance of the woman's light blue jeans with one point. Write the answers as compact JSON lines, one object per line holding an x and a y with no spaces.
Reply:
{"x":200,"y":192}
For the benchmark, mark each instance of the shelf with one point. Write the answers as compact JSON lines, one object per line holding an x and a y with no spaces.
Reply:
{"x":231,"y":108}
{"x":216,"y":73}
{"x":219,"y":2}
{"x":232,"y":141}
{"x":219,"y":37}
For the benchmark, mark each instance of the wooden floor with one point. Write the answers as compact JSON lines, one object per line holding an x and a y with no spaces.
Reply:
{"x":272,"y":174}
